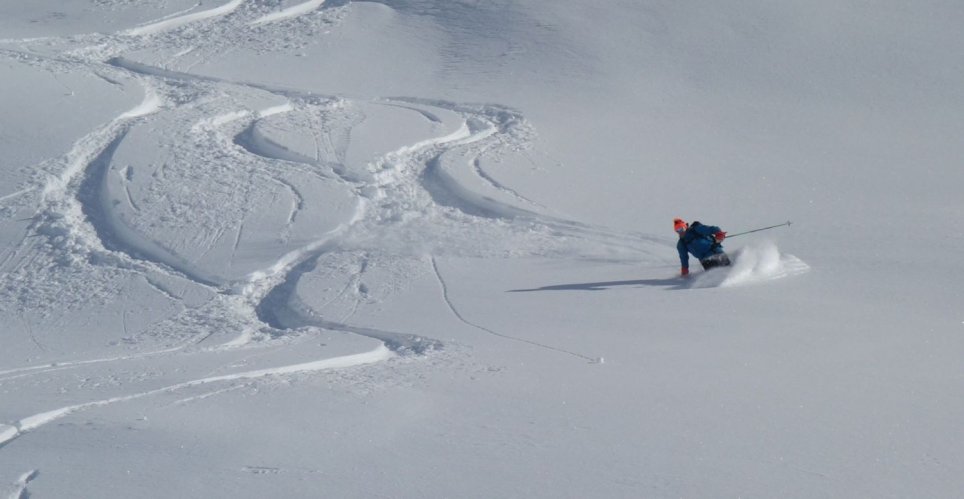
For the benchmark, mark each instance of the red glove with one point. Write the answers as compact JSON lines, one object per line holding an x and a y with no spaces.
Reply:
{"x":685,"y":272}
{"x":720,"y":236}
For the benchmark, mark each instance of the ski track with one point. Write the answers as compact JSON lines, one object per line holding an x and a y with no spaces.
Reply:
{"x":59,"y":366}
{"x":9,"y":433}
{"x":195,"y":398}
{"x":178,"y":21}
{"x":88,"y":148}
{"x":458,"y":315}
{"x":477,"y":168}
{"x":88,"y":216}
{"x":72,"y":202}
{"x":61,"y":211}
{"x":237,"y":239}
{"x":16,"y":194}
{"x":297,"y":204}
{"x":130,"y":198}
{"x":12,"y":254}
{"x":23,"y":482}
{"x":161,"y":289}
{"x":290,"y":12}
{"x":34,"y":339}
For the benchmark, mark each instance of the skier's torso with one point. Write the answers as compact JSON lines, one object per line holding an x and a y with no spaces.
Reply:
{"x":698,"y":241}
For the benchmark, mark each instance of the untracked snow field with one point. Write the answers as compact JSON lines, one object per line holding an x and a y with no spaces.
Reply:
{"x":424,"y":248}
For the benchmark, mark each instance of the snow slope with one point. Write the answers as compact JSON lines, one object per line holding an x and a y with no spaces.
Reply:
{"x":422,"y":248}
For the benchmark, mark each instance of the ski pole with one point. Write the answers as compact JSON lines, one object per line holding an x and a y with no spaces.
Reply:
{"x":787,"y":223}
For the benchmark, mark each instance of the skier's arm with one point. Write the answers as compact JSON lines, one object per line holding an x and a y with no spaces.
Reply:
{"x":684,"y":256}
{"x":706,"y":230}
{"x":712,"y":231}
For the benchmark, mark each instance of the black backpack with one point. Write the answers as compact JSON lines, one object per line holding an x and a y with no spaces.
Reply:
{"x":692,"y":235}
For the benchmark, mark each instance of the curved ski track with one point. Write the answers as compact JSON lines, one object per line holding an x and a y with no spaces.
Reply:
{"x":414,"y":184}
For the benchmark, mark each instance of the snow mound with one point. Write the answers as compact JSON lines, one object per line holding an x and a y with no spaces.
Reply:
{"x":752,"y":264}
{"x":7,"y":432}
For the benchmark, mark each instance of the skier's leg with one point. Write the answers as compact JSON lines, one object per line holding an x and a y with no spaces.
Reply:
{"x":724,"y":259}
{"x":717,"y":260}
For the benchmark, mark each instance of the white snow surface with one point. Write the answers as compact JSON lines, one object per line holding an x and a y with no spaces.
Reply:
{"x":423,"y":248}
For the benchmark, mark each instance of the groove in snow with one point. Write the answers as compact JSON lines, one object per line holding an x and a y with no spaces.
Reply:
{"x":290,"y":12}
{"x":30,"y":423}
{"x":175,"y":22}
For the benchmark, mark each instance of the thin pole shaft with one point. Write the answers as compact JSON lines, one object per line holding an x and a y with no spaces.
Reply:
{"x":787,"y":223}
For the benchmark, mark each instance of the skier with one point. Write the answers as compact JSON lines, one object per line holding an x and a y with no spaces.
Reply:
{"x":703,"y":242}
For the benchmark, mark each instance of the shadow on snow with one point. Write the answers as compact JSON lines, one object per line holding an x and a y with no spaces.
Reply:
{"x":673,"y":283}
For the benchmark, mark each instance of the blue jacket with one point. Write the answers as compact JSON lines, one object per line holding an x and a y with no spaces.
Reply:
{"x":699,"y":241}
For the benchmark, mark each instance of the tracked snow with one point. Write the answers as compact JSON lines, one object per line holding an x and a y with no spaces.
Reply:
{"x":293,"y":11}
{"x":181,"y":20}
{"x":298,"y":248}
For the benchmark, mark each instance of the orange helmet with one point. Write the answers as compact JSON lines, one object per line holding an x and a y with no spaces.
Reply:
{"x":680,"y":225}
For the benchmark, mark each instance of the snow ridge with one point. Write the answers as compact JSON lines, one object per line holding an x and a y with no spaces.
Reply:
{"x":176,"y":22}
{"x":87,"y":148}
{"x":22,"y":482}
{"x":290,"y":12}
{"x":31,"y":423}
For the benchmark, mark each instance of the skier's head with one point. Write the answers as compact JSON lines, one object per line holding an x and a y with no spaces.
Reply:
{"x":680,"y":225}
